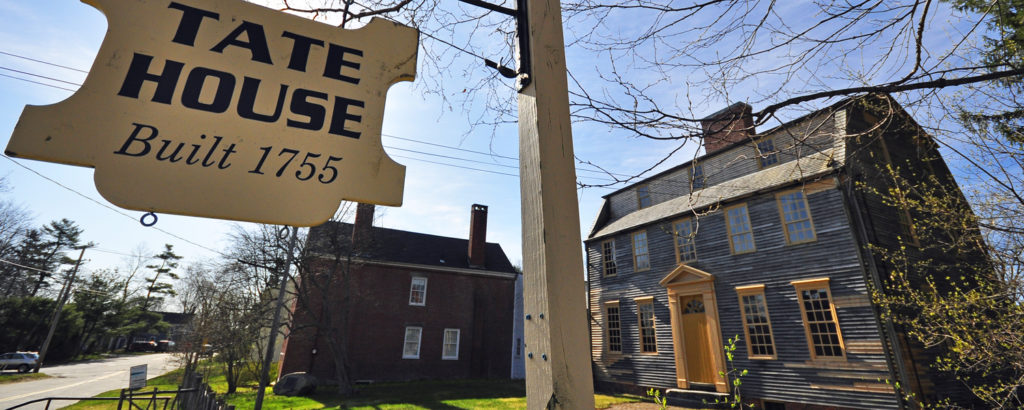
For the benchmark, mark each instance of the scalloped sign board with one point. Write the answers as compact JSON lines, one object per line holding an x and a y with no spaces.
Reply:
{"x":230,"y":110}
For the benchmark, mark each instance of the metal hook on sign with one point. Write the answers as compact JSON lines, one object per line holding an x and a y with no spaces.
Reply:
{"x":283,"y":233}
{"x":142,"y":220}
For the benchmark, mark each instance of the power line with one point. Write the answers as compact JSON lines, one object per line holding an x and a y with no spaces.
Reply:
{"x":457,"y":166}
{"x":44,"y":62}
{"x":40,"y":76}
{"x":37,"y":82}
{"x":495,"y":155}
{"x":27,"y":267}
{"x":118,"y":211}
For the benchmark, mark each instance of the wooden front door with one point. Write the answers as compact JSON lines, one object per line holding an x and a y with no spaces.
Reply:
{"x":699,"y":368}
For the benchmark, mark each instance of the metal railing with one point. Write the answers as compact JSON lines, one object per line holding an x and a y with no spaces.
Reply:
{"x":192,"y":394}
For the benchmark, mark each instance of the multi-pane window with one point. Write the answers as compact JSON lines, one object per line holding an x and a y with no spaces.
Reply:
{"x":741,"y":238}
{"x":686,"y":248}
{"x":643,"y":196}
{"x":697,"y":176}
{"x":645,"y":316}
{"x":418,"y":291}
{"x":820,"y":323}
{"x":450,"y":346}
{"x":614,"y":324}
{"x":756,"y":324}
{"x":608,"y":258}
{"x":641,"y":259}
{"x":411,"y":350}
{"x":766,"y":154}
{"x":796,"y":217}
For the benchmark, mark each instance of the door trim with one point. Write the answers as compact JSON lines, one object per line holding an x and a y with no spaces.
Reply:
{"x":685,"y":280}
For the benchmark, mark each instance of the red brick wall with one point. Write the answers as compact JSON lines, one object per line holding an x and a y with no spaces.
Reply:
{"x":481,"y":308}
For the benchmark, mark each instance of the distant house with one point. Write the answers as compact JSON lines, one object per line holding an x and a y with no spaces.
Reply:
{"x":769,"y":237}
{"x":418,"y":306}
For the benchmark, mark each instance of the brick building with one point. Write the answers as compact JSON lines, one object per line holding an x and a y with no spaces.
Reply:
{"x":403,"y":305}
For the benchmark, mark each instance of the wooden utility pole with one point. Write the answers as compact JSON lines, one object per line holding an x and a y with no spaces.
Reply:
{"x":65,"y":292}
{"x":558,"y":372}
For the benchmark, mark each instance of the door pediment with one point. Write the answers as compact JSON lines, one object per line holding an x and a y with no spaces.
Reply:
{"x":684,"y":275}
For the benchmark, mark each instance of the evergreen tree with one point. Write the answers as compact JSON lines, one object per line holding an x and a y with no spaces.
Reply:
{"x":157,"y":285}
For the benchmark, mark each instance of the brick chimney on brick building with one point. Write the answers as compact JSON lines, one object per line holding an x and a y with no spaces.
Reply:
{"x":363,"y":223}
{"x":727,"y":126}
{"x":478,"y":236}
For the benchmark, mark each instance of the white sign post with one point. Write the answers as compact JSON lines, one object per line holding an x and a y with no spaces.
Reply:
{"x":558,"y":372}
{"x":137,"y":377}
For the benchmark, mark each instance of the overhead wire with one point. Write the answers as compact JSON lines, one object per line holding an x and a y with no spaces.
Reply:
{"x":115,"y":210}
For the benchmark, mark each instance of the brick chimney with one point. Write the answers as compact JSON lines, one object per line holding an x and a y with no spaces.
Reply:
{"x":478,"y":236}
{"x":728,"y":126}
{"x":363,"y":223}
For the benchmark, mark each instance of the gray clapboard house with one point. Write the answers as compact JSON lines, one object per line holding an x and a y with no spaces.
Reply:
{"x":765,"y":237}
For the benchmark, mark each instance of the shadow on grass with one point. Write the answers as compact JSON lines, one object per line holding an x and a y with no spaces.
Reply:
{"x":448,"y":394}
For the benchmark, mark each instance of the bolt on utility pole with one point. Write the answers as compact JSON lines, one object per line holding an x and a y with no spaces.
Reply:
{"x":558,"y":370}
{"x":65,"y":292}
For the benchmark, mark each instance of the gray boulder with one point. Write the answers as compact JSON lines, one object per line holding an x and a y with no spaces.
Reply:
{"x":296,"y":384}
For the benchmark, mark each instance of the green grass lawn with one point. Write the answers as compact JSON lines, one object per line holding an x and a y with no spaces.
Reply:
{"x":457,"y":394}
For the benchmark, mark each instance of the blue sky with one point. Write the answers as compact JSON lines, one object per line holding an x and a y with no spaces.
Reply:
{"x":437,"y":197}
{"x":450,"y":164}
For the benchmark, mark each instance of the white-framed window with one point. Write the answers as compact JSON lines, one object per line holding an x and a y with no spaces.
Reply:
{"x":418,"y":291}
{"x":686,"y":248}
{"x":641,"y":258}
{"x":450,"y":350}
{"x":737,"y":222}
{"x":413,"y":335}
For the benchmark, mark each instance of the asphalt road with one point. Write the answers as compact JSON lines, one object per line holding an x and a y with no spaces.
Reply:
{"x":83,"y":379}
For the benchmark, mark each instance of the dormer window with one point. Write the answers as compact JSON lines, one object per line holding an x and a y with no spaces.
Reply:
{"x":766,"y":153}
{"x":643,"y":196}
{"x":696,"y":177}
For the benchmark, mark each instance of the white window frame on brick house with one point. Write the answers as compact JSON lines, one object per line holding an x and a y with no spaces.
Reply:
{"x":422,"y":293}
{"x":446,"y":342}
{"x":418,"y":332}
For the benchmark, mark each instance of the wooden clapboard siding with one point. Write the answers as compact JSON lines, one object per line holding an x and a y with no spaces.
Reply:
{"x":833,"y":254}
{"x":849,"y":220}
{"x":802,"y":138}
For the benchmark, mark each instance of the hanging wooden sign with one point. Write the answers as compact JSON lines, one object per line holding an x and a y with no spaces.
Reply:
{"x":227,"y":109}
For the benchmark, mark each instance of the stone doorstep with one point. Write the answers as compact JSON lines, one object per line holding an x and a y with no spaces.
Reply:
{"x":697,"y":399}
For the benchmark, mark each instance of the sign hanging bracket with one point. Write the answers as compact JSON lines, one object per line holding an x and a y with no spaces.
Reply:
{"x":522,"y":33}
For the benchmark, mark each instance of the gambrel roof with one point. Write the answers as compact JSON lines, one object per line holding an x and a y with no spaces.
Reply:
{"x":769,"y":179}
